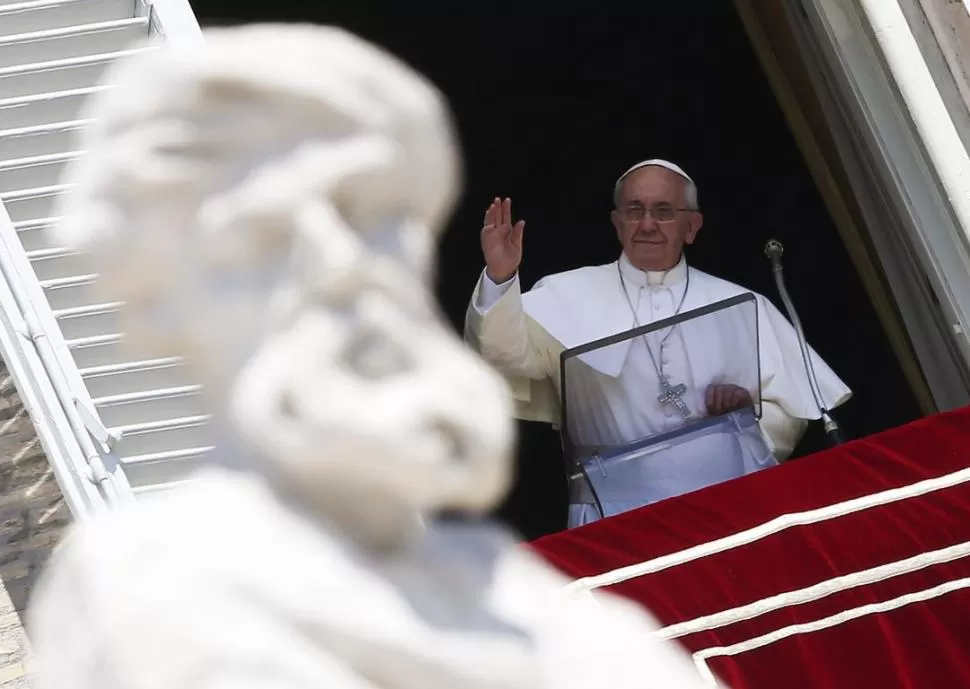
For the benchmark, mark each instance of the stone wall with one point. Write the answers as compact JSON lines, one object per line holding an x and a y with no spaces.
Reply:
{"x":33,"y":516}
{"x":942,"y":31}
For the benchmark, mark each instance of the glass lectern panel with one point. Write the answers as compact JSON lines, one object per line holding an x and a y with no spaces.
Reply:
{"x":666,"y":408}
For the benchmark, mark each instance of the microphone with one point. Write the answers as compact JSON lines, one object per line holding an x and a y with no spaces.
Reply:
{"x":773,"y":251}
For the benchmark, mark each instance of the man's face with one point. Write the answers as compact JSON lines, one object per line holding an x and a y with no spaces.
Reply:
{"x":648,"y":242}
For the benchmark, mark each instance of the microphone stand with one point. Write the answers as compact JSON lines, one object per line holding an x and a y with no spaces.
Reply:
{"x":833,"y":432}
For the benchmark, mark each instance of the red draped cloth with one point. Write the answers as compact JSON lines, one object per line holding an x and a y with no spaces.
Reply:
{"x":904,"y":625}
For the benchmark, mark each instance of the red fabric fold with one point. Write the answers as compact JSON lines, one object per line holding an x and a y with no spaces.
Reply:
{"x":923,"y":644}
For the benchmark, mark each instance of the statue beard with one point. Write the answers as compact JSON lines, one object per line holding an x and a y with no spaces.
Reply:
{"x":375,"y":419}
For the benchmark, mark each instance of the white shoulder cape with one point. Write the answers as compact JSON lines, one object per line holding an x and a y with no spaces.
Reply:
{"x":587,"y":304}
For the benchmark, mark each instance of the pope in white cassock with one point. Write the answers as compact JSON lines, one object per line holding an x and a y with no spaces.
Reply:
{"x":656,"y":382}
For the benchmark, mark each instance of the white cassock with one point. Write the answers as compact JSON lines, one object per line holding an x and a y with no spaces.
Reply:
{"x":522,"y":335}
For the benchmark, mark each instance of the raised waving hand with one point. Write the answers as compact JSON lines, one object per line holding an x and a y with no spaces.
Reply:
{"x":501,"y":241}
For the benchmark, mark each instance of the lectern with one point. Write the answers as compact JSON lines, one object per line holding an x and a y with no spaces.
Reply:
{"x":677,"y":445}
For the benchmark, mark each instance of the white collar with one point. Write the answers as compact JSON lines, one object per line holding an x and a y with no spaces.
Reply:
{"x":653,"y":278}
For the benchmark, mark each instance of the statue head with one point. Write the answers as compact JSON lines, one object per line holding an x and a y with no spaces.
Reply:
{"x":267,"y":204}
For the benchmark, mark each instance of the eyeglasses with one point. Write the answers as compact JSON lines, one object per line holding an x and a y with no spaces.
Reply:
{"x":661,"y":212}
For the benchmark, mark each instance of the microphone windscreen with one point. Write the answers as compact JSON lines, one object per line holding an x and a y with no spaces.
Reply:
{"x":774,"y":249}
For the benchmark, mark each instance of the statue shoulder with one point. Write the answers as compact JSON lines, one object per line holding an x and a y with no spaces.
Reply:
{"x":219,"y":527}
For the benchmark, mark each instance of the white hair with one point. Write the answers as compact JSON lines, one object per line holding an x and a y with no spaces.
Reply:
{"x":690,"y":192}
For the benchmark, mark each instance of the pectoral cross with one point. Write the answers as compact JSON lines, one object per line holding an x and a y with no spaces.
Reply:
{"x":671,"y":394}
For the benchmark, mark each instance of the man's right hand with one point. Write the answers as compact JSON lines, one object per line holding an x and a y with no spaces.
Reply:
{"x":501,"y":241}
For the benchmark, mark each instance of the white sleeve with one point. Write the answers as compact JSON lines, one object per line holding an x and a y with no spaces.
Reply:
{"x":490,"y":292}
{"x":497,"y":327}
{"x":781,"y":430}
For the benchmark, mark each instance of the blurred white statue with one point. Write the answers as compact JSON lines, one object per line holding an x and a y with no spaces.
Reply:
{"x":268,"y":206}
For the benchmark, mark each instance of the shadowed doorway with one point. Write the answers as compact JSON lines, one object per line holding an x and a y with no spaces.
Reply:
{"x":551,"y":107}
